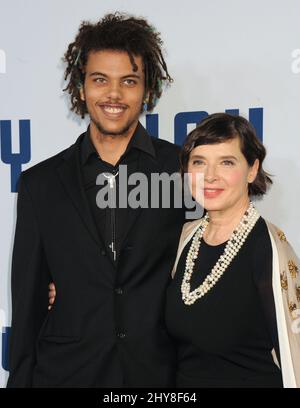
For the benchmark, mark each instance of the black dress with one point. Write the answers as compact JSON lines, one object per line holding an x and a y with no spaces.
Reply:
{"x":225,"y":338}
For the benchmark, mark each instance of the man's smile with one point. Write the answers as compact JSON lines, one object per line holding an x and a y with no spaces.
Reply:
{"x":112,"y":110}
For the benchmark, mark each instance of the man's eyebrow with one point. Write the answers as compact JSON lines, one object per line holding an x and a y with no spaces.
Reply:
{"x":132,"y":76}
{"x":97,"y":73}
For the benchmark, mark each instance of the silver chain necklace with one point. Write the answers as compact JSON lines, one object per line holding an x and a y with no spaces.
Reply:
{"x":111,"y":178}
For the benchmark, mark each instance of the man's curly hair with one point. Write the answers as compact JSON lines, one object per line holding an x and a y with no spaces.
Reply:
{"x":118,"y":32}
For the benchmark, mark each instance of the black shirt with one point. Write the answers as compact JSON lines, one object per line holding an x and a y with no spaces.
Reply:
{"x":225,"y":338}
{"x":111,"y":222}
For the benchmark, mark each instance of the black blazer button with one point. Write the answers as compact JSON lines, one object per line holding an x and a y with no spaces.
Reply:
{"x":103,"y":252}
{"x":121,"y":335}
{"x":119,"y":291}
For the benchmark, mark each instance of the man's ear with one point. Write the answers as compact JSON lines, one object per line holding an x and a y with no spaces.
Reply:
{"x":146,"y":97}
{"x":81,"y":93}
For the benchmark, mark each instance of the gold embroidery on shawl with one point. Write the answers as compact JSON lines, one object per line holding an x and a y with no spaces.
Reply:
{"x":281,"y":235}
{"x":293,"y":268}
{"x":298,"y":293}
{"x":283,"y":280}
{"x":292,"y":307}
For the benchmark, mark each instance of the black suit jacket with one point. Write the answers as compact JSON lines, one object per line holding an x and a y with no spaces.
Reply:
{"x":106,"y":328}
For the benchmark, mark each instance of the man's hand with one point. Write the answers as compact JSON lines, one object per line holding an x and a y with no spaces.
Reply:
{"x":51,"y":295}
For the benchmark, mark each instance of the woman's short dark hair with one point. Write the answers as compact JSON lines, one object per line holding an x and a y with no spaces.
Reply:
{"x":118,"y":32}
{"x":220,"y":127}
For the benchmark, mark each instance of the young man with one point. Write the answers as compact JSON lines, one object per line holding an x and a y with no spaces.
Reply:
{"x":110,"y":266}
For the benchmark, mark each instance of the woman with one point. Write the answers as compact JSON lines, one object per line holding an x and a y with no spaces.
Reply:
{"x":233,"y":303}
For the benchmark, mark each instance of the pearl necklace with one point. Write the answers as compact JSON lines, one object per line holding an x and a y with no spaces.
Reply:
{"x":234,"y":244}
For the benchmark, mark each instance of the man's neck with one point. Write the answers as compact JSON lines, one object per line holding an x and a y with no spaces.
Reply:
{"x":110,"y":148}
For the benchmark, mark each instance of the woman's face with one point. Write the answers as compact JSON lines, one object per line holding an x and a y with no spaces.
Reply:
{"x":224,"y":172}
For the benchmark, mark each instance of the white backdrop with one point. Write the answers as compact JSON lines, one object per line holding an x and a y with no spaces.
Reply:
{"x":232,"y":54}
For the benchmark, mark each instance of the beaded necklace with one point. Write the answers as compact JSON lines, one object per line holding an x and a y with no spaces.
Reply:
{"x":234,"y":244}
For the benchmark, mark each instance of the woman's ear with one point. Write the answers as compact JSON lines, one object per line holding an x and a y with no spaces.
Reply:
{"x":253,"y":171}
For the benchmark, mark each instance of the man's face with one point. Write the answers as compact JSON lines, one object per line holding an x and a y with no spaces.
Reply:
{"x":113,"y":92}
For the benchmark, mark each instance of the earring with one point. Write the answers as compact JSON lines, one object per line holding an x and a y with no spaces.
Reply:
{"x":145,"y":106}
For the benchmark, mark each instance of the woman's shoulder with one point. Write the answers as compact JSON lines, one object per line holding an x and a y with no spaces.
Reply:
{"x":277,"y":235}
{"x":266,"y":234}
{"x":190,"y":226}
{"x":275,"y":231}
{"x":280,"y":240}
{"x":188,"y":231}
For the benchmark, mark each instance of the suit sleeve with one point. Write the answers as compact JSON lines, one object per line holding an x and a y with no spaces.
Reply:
{"x":29,"y":281}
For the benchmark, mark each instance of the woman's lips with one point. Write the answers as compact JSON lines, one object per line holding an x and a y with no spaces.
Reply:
{"x":212,"y":192}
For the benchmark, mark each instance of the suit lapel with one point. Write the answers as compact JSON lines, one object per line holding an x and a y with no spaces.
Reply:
{"x":147,"y":166}
{"x":71,"y":178}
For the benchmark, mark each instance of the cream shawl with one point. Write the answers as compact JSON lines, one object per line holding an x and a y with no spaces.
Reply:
{"x":286,"y":289}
